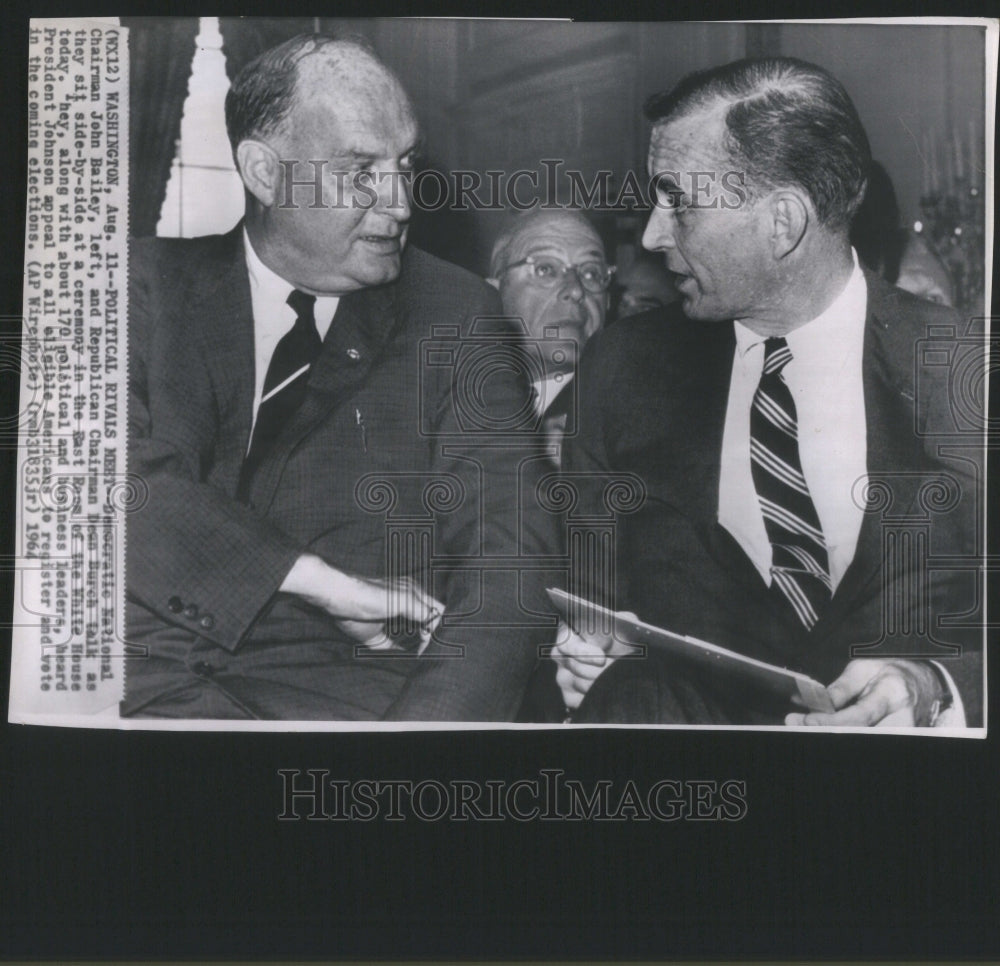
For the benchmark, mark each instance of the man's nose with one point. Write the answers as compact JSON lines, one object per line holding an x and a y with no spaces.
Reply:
{"x":394,"y":194}
{"x":659,"y":233}
{"x":571,"y":287}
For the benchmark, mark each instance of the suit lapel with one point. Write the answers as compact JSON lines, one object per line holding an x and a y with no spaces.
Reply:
{"x":225,"y":330}
{"x":363,"y":324}
{"x":889,"y":412}
{"x":698,"y":445}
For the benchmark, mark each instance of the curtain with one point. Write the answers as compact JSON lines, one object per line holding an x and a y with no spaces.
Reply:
{"x":160,"y":51}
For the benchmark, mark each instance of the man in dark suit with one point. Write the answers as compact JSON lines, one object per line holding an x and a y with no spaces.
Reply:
{"x":795,"y":496}
{"x":307,"y":457}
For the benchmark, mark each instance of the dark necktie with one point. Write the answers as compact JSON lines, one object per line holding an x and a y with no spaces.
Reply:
{"x":800,"y":568}
{"x":285,"y":383}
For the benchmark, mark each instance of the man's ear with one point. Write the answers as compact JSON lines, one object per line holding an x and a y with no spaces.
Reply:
{"x":790,"y":214}
{"x":258,"y":166}
{"x":495,"y":282}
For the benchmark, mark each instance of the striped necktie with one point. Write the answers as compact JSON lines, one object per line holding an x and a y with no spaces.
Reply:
{"x":800,"y":569}
{"x":284,"y":384}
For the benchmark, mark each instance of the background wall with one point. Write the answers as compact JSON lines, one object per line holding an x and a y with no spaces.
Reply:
{"x":906,"y":82}
{"x":506,"y":94}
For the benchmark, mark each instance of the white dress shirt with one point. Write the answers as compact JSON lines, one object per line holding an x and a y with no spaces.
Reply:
{"x":825,"y":380}
{"x":273,"y":317}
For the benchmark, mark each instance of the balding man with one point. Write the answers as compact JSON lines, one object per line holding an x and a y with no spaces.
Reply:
{"x":552,"y":273}
{"x":282,"y":412}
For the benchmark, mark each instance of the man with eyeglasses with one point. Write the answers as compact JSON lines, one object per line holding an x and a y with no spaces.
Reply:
{"x":552,"y":273}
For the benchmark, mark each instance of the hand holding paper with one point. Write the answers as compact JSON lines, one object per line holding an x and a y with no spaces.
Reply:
{"x":630,"y":634}
{"x":582,"y":659}
{"x":878,"y":693}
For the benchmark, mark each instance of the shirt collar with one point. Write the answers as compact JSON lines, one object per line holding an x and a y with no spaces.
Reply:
{"x":845,"y":311}
{"x":261,"y":277}
{"x":273,"y":290}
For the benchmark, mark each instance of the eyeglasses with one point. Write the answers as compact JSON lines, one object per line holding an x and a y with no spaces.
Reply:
{"x":549,"y":272}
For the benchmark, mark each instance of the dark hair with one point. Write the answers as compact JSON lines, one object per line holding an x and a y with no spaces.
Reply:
{"x":263,"y":92}
{"x":788,"y":123}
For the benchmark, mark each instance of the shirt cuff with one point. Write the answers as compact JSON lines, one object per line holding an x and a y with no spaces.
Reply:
{"x":954,"y":716}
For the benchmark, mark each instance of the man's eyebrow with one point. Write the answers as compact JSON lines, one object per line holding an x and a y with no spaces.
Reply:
{"x":354,"y":154}
{"x":364,"y":154}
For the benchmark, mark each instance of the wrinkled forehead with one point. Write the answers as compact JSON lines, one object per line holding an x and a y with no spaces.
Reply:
{"x":570,"y":237}
{"x":691,"y":142}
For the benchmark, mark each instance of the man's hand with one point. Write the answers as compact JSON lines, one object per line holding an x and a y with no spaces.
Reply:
{"x":581,"y":659}
{"x":361,"y":604}
{"x":882,"y":693}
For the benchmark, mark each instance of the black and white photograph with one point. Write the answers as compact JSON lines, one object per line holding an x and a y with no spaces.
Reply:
{"x":464,"y":437}
{"x":511,"y":372}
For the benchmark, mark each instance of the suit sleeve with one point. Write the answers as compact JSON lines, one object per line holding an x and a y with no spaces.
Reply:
{"x":956,"y":473}
{"x":489,"y":642}
{"x":589,"y":466}
{"x":195,"y":557}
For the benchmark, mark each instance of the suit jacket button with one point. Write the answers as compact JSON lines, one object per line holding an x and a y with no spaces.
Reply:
{"x":207,"y":621}
{"x":191,"y":611}
{"x":353,"y":355}
{"x":175,"y":605}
